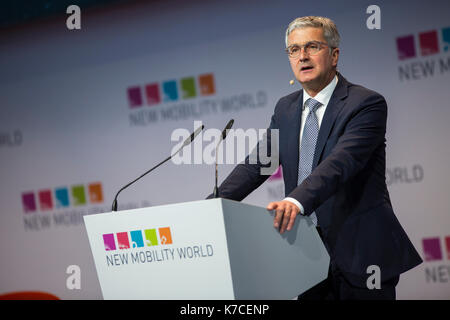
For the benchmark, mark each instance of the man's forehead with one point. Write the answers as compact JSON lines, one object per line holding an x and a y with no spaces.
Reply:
{"x":304,"y":43}
{"x":303,"y":35}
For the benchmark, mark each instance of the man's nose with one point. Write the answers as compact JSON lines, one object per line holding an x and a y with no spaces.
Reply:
{"x":303,"y":55}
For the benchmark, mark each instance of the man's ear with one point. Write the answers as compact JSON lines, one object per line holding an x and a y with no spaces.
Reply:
{"x":335,"y":56}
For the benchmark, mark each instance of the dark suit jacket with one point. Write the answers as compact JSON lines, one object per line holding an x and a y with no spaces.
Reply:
{"x":347,"y":187}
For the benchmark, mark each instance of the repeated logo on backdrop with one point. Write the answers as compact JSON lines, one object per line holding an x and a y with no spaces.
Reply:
{"x":437,"y":268}
{"x":405,"y":174}
{"x":61,"y":206}
{"x":169,"y":91}
{"x":428,"y":43}
{"x":432,"y":248}
{"x":61,"y":197}
{"x":422,"y":45}
{"x":185,"y":98}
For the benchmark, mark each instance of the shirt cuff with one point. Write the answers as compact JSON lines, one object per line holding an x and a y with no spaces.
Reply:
{"x":298,"y":204}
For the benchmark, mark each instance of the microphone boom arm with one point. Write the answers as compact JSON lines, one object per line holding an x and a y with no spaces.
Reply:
{"x":222,"y":137}
{"x":186,"y":142}
{"x":114,"y":205}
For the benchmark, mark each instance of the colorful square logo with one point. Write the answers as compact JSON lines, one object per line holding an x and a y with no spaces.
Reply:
{"x":122,"y":240}
{"x":206,"y":83}
{"x":447,"y":245}
{"x":108,"y":240}
{"x":152,"y":93}
{"x":170,"y":90}
{"x":446,"y":38}
{"x":188,"y":87}
{"x":136,"y":239}
{"x":28,"y":202}
{"x":277,"y":175}
{"x":432,"y":249}
{"x":134,"y":97}
{"x":165,"y":236}
{"x":45,"y":200}
{"x":62,"y":197}
{"x":150,"y":237}
{"x":95,"y":192}
{"x":78,"y":195}
{"x":406,"y":47}
{"x":428,"y":43}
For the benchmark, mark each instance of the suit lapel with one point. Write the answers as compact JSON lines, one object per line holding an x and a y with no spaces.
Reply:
{"x":335,"y":105}
{"x":293,"y":120}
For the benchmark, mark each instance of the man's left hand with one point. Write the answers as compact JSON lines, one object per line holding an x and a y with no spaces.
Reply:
{"x":285,"y":214}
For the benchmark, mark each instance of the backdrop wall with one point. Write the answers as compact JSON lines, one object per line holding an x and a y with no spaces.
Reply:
{"x":83,"y":112}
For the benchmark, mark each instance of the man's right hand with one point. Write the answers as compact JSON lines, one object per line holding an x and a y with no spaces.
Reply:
{"x":285,"y":214}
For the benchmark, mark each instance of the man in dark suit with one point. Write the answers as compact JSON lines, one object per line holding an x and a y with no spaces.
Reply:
{"x":332,"y":150}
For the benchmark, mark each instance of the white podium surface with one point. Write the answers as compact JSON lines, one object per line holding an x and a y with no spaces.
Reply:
{"x":203,"y":250}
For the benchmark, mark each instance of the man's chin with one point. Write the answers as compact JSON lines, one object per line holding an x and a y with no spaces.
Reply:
{"x":306,"y":81}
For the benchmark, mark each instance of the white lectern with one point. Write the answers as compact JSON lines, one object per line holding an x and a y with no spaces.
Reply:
{"x":204,"y":250}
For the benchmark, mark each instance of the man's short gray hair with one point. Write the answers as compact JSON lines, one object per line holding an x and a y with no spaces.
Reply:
{"x":329,"y":28}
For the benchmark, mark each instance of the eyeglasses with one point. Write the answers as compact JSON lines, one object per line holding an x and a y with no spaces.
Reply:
{"x":311,"y":48}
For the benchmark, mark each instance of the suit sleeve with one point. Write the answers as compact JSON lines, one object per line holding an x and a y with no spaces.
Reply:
{"x":363,"y":133}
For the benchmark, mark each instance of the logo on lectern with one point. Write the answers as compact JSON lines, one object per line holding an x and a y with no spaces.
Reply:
{"x":151,"y":246}
{"x":137,"y":239}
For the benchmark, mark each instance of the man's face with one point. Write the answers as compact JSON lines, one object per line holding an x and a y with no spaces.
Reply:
{"x":314,"y":72}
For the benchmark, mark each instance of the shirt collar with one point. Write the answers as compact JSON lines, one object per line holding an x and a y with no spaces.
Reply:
{"x":324,"y":95}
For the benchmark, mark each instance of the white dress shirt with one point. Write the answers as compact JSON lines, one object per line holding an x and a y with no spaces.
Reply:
{"x":323,"y":97}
